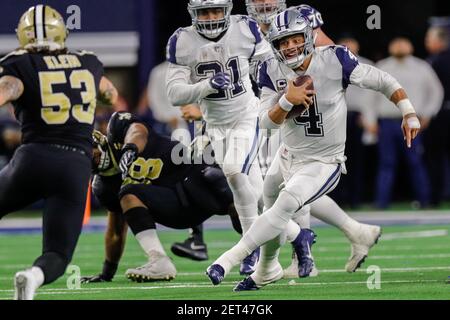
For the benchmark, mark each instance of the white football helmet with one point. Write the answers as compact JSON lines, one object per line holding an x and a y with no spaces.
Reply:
{"x":264,"y":11}
{"x":210,"y":28}
{"x":287,"y":24}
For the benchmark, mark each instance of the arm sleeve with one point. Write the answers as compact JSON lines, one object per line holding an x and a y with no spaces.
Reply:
{"x":180,"y":92}
{"x":369,"y":77}
{"x":162,"y":110}
{"x":118,"y":126}
{"x":269,"y":98}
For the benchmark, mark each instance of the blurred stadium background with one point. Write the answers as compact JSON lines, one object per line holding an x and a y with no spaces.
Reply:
{"x":130,"y":37}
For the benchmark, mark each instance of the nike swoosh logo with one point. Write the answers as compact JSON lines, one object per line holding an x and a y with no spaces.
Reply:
{"x":195,"y":247}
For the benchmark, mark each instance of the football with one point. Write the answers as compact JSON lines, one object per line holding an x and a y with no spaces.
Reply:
{"x":299,"y":109}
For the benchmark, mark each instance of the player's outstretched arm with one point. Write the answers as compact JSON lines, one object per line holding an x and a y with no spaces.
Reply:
{"x":108,"y":93}
{"x":181,"y":92}
{"x":370,"y":77}
{"x":115,"y":239}
{"x":11,"y":88}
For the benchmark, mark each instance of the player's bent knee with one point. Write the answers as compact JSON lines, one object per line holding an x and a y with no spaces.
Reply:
{"x":288,"y":202}
{"x":231,"y":170}
{"x":129,"y":201}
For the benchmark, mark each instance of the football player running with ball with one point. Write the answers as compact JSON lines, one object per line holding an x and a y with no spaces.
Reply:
{"x":312,"y":157}
{"x":54,"y":93}
{"x":361,"y":236}
{"x":209,"y":65}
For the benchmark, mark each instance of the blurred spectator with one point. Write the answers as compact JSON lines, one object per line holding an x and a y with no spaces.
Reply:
{"x":437,"y":137}
{"x":361,"y":122}
{"x":163,"y":112}
{"x":425,"y":92}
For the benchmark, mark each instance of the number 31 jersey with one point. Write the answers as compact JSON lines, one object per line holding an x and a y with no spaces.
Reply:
{"x":319,"y":134}
{"x":59,"y":98}
{"x":202,"y":58}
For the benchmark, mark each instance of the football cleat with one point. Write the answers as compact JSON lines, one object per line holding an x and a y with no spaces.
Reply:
{"x":216,"y":274}
{"x":25,"y":285}
{"x":246,"y":285}
{"x":302,"y":246}
{"x":159,"y":268}
{"x":362,"y":241}
{"x":191,"y":248}
{"x":291,"y":272}
{"x":256,"y":282}
{"x":248,"y":265}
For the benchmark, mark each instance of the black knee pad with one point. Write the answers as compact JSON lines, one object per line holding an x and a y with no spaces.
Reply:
{"x":53,"y":265}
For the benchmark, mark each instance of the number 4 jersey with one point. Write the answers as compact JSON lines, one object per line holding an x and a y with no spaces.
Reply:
{"x":59,"y":98}
{"x":320,"y":133}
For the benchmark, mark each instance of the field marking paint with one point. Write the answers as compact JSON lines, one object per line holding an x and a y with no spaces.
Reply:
{"x":415,"y":235}
{"x":203,"y":285}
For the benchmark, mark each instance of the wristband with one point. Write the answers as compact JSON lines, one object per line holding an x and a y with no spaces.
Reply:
{"x":130,"y":146}
{"x":406,"y":107}
{"x":285,"y":104}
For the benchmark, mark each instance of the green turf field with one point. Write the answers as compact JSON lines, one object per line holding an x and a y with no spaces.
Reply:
{"x":414,"y":266}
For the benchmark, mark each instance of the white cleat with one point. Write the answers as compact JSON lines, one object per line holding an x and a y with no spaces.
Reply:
{"x":159,"y":268}
{"x":256,"y":282}
{"x":291,"y":272}
{"x":362,"y":241}
{"x":25,"y":285}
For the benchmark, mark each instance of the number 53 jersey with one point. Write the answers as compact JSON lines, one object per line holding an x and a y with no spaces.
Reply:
{"x":195,"y":58}
{"x":320,"y":132}
{"x":60,"y":94}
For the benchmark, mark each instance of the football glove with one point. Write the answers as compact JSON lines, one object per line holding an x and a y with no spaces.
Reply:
{"x":106,"y":163}
{"x":221,"y":81}
{"x":129,"y":155}
{"x":95,"y":279}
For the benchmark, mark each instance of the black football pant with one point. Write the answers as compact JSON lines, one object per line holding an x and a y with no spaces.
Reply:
{"x":186,"y":204}
{"x":61,"y":177}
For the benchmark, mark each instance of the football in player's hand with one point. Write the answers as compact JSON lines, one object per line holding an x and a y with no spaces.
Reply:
{"x":298,"y":110}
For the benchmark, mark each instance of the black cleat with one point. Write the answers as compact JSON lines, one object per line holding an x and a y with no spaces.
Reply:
{"x":191,"y":248}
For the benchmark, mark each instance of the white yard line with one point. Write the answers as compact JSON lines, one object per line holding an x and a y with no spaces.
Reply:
{"x":204,"y":285}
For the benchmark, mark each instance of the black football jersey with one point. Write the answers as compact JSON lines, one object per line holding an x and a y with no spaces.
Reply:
{"x":59,"y":98}
{"x":161,"y":163}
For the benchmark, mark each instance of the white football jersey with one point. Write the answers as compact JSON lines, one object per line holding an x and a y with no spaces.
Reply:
{"x":200,"y":58}
{"x":320,"y":133}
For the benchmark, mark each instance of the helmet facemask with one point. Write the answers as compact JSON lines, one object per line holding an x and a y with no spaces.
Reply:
{"x":210,"y":28}
{"x":288,"y":26}
{"x":265,"y":12}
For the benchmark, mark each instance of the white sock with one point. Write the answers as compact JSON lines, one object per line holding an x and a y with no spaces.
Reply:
{"x":328,"y":211}
{"x":149,"y":241}
{"x":268,"y":260}
{"x":244,"y":200}
{"x":38,"y":276}
{"x":292,"y":231}
{"x":303,"y":217}
{"x":266,"y":227}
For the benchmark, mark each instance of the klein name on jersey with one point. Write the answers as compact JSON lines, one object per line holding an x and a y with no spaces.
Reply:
{"x":63,"y":61}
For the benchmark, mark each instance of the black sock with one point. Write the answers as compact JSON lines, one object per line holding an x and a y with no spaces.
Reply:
{"x":139,"y":219}
{"x":197,"y":233}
